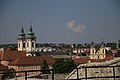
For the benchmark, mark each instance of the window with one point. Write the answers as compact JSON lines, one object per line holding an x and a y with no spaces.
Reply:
{"x":103,"y":51}
{"x":23,"y":45}
{"x":32,"y":44}
{"x":98,"y":57}
{"x":19,"y":45}
{"x":27,"y":44}
{"x":93,"y":51}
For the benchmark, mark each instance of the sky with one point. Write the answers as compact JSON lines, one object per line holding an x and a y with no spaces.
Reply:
{"x":61,"y":21}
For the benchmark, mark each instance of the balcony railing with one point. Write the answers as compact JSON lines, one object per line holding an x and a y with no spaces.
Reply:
{"x":85,"y":73}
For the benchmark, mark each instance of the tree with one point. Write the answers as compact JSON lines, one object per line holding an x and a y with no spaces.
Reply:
{"x":64,"y":66}
{"x":9,"y":73}
{"x":45,"y":68}
{"x":118,"y":54}
{"x":112,"y":45}
{"x":69,"y":52}
{"x":119,"y":44}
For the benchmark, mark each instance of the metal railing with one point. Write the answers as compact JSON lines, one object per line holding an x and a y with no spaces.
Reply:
{"x":113,"y":72}
{"x":26,"y":73}
{"x":86,"y":73}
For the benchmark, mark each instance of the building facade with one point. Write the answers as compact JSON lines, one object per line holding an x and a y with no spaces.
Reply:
{"x":27,"y":42}
{"x":97,"y":52}
{"x":30,"y":63}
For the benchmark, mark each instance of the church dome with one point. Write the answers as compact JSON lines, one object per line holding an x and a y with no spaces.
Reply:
{"x":30,"y":34}
{"x":102,"y":45}
{"x":92,"y":44}
{"x":21,"y":34}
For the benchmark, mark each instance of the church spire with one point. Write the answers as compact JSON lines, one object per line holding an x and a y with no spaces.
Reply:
{"x":102,"y":39}
{"x":92,"y":39}
{"x":30,"y":34}
{"x":22,"y":34}
{"x":102,"y":43}
{"x":22,"y":29}
{"x":30,"y":30}
{"x":92,"y":43}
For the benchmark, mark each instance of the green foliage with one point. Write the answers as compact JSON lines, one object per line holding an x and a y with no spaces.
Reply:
{"x":11,"y":46}
{"x":112,"y":45}
{"x":45,"y":68}
{"x":8,"y":73}
{"x":119,"y":43}
{"x":69,"y":52}
{"x":118,"y":54}
{"x":64,"y":66}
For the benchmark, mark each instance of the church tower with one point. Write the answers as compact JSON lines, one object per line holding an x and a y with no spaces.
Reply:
{"x":92,"y":48}
{"x":30,"y":41}
{"x":102,"y":50}
{"x":92,"y":51}
{"x":21,"y":40}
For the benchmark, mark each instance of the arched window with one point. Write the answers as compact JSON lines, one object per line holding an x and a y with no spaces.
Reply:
{"x":32,"y":44}
{"x":23,"y":45}
{"x":27,"y":44}
{"x":98,"y":57}
{"x":19,"y":45}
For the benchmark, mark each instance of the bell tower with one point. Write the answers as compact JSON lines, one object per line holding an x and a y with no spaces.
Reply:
{"x":30,"y":41}
{"x":21,"y":40}
{"x":103,"y":50}
{"x":92,"y":48}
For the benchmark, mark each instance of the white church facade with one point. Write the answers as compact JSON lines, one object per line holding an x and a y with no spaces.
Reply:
{"x":27,"y":42}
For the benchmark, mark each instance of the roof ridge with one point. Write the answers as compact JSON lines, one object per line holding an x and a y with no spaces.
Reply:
{"x":18,"y":59}
{"x":8,"y":55}
{"x":15,"y":61}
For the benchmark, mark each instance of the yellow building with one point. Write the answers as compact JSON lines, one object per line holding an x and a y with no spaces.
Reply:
{"x":97,"y":52}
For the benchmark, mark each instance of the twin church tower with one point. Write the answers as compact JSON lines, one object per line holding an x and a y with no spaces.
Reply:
{"x":27,"y":42}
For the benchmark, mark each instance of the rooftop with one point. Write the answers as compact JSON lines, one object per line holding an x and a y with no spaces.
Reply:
{"x":32,"y":60}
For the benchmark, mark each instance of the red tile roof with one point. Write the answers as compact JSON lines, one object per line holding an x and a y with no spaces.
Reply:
{"x":84,"y":60}
{"x":32,"y":60}
{"x":96,"y":60}
{"x":81,"y":60}
{"x":11,"y":55}
{"x":3,"y":68}
{"x":109,"y":56}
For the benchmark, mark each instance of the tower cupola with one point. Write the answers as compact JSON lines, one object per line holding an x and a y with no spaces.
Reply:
{"x":92,"y":45}
{"x":102,"y":45}
{"x":21,"y":34}
{"x":30,"y":34}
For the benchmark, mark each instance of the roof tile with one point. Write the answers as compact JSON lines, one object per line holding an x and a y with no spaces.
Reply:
{"x":32,"y":60}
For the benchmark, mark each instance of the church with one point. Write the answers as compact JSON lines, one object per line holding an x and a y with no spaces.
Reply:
{"x":27,"y":42}
{"x":97,"y":52}
{"x":23,"y":58}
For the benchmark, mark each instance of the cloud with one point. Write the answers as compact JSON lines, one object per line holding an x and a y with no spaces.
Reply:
{"x":72,"y":25}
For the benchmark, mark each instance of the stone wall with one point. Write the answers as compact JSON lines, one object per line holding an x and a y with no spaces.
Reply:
{"x":96,"y":71}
